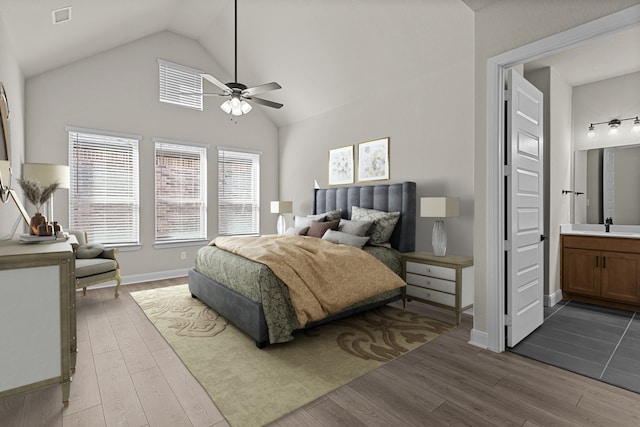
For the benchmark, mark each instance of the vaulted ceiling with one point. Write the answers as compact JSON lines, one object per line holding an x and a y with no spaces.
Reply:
{"x":324,"y":53}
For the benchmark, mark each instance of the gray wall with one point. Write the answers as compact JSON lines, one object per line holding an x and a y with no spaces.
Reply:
{"x":117,"y":90}
{"x":13,"y":81}
{"x":428,"y":121}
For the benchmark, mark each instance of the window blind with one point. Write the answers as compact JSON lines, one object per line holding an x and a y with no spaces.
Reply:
{"x":104,"y":193}
{"x":181,"y":188}
{"x":177,"y":81}
{"x":238,"y":192}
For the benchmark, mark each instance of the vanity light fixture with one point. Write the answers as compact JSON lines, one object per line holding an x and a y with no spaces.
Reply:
{"x":614,"y":124}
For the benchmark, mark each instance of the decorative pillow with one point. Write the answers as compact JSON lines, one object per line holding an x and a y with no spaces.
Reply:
{"x":383,"y":223}
{"x":317,"y":229}
{"x":320,"y":217}
{"x":296,"y":231}
{"x":333,"y":215}
{"x":357,"y":228}
{"x":345,"y":238}
{"x":303,"y":221}
{"x":90,"y":250}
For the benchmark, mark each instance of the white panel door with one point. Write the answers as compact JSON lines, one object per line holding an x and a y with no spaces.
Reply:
{"x":524,"y":204}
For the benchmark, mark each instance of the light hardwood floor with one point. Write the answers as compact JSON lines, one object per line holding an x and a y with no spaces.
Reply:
{"x":128,"y":375}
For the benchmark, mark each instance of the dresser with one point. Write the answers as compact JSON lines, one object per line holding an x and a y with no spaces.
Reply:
{"x":37,"y":316}
{"x":443,"y":281}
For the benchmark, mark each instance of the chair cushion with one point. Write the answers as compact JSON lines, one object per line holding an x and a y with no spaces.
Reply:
{"x":90,"y":250}
{"x":92,"y":266}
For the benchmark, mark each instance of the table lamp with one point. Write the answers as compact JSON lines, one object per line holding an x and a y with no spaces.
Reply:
{"x":439,"y":208}
{"x":281,"y":207}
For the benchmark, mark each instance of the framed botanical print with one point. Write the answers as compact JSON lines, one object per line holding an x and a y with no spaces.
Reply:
{"x":373,"y":160}
{"x":341,"y":165}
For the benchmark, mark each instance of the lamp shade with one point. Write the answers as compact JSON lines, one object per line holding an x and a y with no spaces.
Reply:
{"x":281,"y":207}
{"x":46,"y":174}
{"x":439,"y":207}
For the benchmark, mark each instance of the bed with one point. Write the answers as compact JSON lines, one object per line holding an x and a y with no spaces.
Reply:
{"x":243,"y":297}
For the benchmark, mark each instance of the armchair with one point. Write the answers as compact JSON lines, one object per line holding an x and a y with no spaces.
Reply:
{"x":94,"y":264}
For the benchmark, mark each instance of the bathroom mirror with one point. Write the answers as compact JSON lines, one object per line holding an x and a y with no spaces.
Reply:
{"x":609,"y":177}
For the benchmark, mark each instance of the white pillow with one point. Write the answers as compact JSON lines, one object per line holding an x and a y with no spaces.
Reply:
{"x":345,"y":238}
{"x":296,"y":231}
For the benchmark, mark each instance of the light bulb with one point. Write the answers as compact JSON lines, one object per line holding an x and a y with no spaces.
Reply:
{"x":636,"y":125}
{"x":613,"y":126}
{"x":235,"y":102}
{"x":592,"y":132}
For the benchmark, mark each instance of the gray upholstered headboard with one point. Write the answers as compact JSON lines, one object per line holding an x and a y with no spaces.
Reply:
{"x":390,"y":198}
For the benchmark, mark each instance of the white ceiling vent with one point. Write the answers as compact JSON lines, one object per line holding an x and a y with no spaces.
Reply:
{"x":59,"y":16}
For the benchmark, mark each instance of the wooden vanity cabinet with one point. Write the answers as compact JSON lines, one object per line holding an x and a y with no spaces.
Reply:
{"x":601,"y":270}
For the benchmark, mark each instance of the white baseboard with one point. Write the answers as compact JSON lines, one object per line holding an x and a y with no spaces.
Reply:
{"x":479,"y":338}
{"x":553,"y":299}
{"x":146,"y":277}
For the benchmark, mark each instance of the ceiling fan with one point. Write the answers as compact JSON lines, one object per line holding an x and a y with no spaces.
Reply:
{"x":239,"y":93}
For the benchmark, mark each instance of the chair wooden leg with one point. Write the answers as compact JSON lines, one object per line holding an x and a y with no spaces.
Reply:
{"x":118,"y":281}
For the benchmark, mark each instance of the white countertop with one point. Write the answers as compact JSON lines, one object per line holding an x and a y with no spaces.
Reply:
{"x":624,"y":231}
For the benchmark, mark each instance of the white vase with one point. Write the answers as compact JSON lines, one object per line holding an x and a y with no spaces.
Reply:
{"x":439,"y":238}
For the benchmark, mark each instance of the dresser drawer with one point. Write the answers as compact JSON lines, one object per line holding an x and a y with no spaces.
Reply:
{"x":431,"y":295}
{"x":432,"y":283}
{"x":431,"y":270}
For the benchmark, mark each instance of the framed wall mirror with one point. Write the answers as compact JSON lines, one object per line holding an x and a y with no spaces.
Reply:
{"x":5,"y":146}
{"x":609,"y":177}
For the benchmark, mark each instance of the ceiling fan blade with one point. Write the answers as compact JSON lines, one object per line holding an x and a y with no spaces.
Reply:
{"x":203,"y":94}
{"x":261,"y":89}
{"x":265,"y":102}
{"x":216,"y":82}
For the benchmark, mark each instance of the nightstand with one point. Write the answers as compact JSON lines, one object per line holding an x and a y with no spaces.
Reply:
{"x":443,"y":281}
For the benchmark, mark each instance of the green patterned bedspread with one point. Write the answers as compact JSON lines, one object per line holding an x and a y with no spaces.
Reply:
{"x":258,"y":283}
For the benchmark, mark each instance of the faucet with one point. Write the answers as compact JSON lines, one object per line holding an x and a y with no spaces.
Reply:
{"x":608,"y":222}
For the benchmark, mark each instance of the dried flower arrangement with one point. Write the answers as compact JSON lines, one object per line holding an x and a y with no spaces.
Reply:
{"x":36,"y":193}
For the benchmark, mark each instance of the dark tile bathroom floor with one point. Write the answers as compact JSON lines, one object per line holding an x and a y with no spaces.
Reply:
{"x":598,"y":342}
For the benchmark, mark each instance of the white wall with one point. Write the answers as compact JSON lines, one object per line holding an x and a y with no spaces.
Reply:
{"x":117,"y":90}
{"x":428,"y":121}
{"x":13,"y":80}
{"x":499,"y":28}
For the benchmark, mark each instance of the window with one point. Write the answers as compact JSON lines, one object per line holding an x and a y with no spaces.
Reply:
{"x":181,"y":191}
{"x":180,"y":85}
{"x":238,"y":192}
{"x":104,"y":194}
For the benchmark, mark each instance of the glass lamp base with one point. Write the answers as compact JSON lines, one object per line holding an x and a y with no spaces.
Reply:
{"x":281,"y":225}
{"x":439,"y":238}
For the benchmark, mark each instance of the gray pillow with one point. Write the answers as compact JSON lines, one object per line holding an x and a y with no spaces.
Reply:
{"x":296,"y":231}
{"x":90,"y":250}
{"x":357,"y":228}
{"x":383,"y":224}
{"x":345,"y":238}
{"x":319,"y":218}
{"x":334,"y":215}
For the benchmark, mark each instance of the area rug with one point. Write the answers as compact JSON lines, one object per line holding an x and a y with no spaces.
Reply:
{"x":253,"y":387}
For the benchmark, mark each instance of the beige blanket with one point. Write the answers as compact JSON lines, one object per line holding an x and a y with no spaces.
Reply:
{"x":322,"y":277}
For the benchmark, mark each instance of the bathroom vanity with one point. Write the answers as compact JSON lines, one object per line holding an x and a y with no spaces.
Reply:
{"x":601,"y":267}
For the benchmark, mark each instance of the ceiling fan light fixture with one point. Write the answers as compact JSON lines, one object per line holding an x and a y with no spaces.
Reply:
{"x":245,"y":107}
{"x":226,"y":106}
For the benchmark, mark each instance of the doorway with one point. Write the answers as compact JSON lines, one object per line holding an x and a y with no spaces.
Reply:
{"x":496,"y":66}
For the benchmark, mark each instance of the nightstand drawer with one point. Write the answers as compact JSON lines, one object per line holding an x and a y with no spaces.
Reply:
{"x":431,"y":270}
{"x":432,"y":283}
{"x":430,"y":295}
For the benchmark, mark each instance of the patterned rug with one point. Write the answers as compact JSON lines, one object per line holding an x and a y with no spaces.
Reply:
{"x":253,"y":387}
